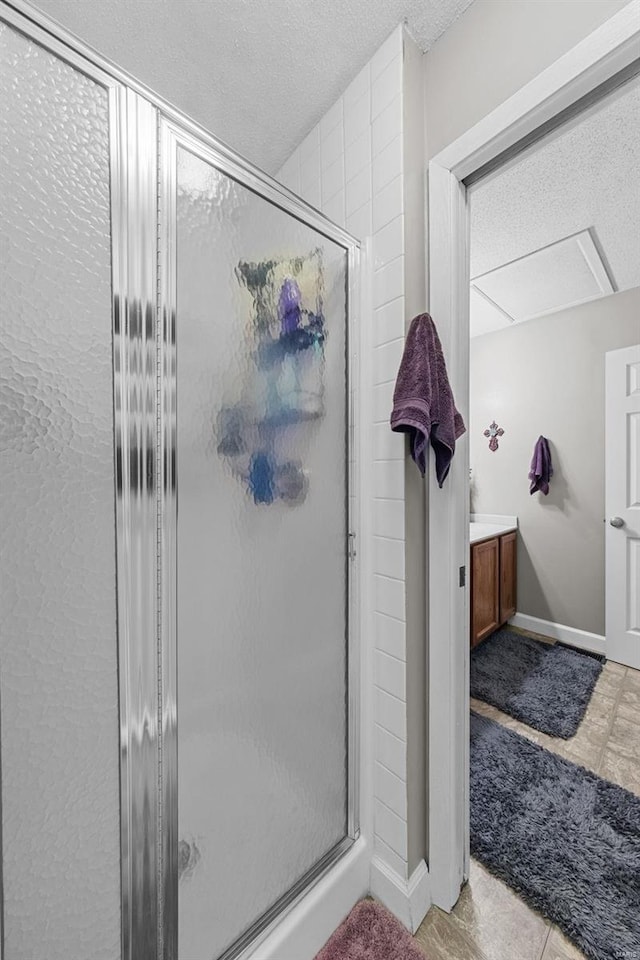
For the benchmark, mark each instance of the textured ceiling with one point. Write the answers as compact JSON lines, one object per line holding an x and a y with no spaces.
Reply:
{"x":586,"y":175}
{"x":258,"y":74}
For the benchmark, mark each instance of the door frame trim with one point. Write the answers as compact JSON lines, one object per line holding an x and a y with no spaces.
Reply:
{"x":595,"y":60}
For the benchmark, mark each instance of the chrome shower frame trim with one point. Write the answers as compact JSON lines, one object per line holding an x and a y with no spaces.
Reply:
{"x":354,"y":570}
{"x":90,"y":61}
{"x":37,"y":26}
{"x":133,"y":190}
{"x":144,"y":358}
{"x":134,"y":164}
{"x":168,"y":522}
{"x":172,"y":136}
{"x":245,"y":946}
{"x":118,"y":172}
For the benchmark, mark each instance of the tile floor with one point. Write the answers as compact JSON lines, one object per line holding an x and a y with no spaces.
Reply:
{"x":490,"y":921}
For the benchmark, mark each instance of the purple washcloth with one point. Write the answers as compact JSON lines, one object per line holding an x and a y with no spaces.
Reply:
{"x":423,"y":403}
{"x":541,"y":469}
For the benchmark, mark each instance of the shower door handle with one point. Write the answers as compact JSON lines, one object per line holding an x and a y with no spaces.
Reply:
{"x":188,"y":858}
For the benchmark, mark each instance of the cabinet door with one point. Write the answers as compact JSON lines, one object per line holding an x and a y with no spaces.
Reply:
{"x":508,"y":575}
{"x":485,"y":564}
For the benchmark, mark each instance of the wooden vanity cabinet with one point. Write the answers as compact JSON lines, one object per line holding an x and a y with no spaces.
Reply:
{"x":485,"y":589}
{"x":508,"y":575}
{"x":493,"y":584}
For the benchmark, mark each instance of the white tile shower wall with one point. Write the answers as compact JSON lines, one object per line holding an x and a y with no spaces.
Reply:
{"x":351,"y":167}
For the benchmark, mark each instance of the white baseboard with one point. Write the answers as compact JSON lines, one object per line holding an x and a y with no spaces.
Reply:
{"x":408,"y":899}
{"x":302,"y":933}
{"x":581,"y":639}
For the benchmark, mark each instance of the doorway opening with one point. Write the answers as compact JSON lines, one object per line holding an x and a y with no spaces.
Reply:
{"x":600,"y":59}
{"x":554,"y":298}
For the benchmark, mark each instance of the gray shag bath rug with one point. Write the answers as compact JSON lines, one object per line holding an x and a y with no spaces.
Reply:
{"x":565,"y":839}
{"x":546,"y":686}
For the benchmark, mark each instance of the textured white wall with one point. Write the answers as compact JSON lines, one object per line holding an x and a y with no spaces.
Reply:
{"x":586,"y":174}
{"x":546,"y":376}
{"x":257,"y":74}
{"x":492,"y":50}
{"x":351,"y":167}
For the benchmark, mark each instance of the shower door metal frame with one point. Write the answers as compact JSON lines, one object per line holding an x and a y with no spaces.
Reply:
{"x":133,"y":191}
{"x":174,"y":135}
{"x":144,"y":376}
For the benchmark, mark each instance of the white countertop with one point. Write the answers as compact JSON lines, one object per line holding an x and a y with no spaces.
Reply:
{"x":482,"y":531}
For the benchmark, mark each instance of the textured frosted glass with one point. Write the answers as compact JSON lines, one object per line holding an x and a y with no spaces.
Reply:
{"x":261,"y":554}
{"x":60,"y":799}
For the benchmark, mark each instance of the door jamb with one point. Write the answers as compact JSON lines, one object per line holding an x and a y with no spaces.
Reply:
{"x":595,"y":60}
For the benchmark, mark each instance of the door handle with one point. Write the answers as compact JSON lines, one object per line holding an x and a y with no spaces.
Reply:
{"x":188,"y":857}
{"x":616,"y":522}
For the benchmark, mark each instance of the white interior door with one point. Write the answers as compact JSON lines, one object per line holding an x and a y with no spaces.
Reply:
{"x":622,"y":499}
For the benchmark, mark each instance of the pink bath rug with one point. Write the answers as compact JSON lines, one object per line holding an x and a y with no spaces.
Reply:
{"x":370,"y":932}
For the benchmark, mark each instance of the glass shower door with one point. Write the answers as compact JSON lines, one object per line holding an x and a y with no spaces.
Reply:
{"x":262,"y":578}
{"x":59,"y":805}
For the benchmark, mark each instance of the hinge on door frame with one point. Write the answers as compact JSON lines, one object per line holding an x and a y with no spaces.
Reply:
{"x":351,"y":545}
{"x":462,"y":577}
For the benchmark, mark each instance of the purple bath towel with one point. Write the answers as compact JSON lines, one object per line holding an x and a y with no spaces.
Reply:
{"x":541,"y":469}
{"x":423,"y":403}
